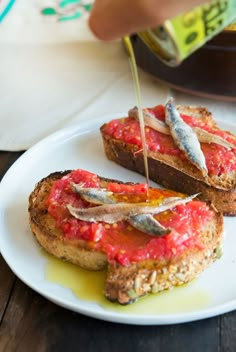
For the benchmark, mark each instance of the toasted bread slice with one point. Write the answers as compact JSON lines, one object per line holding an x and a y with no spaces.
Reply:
{"x":126,"y":281}
{"x":174,"y":172}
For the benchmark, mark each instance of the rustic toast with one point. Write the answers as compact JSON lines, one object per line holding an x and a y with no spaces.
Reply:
{"x":137,"y":263}
{"x":171,"y":169}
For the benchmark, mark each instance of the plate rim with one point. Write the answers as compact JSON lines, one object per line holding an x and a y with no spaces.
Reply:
{"x":66,"y":134}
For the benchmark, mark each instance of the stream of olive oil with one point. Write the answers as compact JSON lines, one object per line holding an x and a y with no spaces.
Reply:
{"x":134,"y":71}
{"x":89,"y":286}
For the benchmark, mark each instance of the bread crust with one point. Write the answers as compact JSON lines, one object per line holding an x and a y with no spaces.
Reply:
{"x":51,"y":238}
{"x":123,"y":284}
{"x":173,"y":173}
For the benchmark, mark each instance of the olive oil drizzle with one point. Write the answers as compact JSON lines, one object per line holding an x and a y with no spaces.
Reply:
{"x":134,"y":71}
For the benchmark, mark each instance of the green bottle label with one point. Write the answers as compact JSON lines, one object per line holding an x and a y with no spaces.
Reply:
{"x":191,"y":30}
{"x":180,"y":36}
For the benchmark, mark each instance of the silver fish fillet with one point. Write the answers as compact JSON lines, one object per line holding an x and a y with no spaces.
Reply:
{"x":148,"y":224}
{"x":111,"y":213}
{"x":207,"y":137}
{"x":94,"y":195}
{"x":185,"y":138}
{"x":202,"y":135}
{"x":143,"y":222}
{"x":150,"y":120}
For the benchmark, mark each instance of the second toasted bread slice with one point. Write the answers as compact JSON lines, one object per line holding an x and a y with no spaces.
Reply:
{"x":167,"y":165}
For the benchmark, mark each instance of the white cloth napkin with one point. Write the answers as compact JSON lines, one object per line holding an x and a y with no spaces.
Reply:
{"x":52,"y":80}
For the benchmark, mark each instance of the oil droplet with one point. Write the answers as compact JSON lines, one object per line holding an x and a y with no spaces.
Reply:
{"x":89,"y":286}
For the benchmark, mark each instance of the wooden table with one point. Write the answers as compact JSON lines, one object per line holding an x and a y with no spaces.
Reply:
{"x":28,"y":322}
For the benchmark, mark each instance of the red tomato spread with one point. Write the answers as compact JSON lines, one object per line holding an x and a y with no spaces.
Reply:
{"x":219,"y":160}
{"x":120,"y":241}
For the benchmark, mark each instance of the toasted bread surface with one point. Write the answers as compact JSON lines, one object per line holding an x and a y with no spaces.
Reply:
{"x":123,"y":283}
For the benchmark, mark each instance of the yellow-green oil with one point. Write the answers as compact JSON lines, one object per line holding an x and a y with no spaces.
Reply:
{"x":89,"y":286}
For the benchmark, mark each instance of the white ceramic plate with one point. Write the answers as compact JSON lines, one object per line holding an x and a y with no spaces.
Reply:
{"x":81,"y":147}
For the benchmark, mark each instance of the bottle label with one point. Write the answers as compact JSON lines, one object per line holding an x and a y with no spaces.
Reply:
{"x":191,"y":30}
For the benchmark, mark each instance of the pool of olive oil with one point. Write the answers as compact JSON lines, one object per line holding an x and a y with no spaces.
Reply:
{"x":89,"y":286}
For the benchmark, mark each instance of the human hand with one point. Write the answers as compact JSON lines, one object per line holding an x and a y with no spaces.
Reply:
{"x":112,"y":19}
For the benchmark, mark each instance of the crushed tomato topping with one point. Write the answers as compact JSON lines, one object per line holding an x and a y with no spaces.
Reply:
{"x":120,"y":241}
{"x":219,"y":160}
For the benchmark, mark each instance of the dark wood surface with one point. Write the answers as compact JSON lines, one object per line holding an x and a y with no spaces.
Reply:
{"x":29,"y":322}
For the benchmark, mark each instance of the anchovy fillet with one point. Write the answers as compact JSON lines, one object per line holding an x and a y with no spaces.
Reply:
{"x":160,"y":126}
{"x":148,"y":224}
{"x":150,"y":120}
{"x":185,"y":138}
{"x":136,"y":214}
{"x":143,"y":222}
{"x":207,"y":137}
{"x":94,"y":195}
{"x":111,"y":213}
